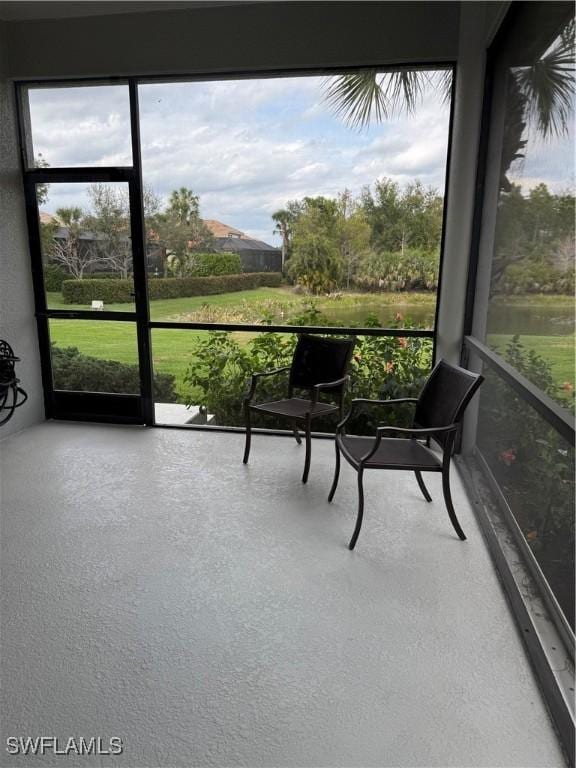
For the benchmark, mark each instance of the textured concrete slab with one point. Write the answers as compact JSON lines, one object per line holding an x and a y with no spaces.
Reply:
{"x":210,"y":614}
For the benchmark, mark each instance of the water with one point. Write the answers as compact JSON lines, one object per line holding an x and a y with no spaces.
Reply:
{"x":547,"y":320}
{"x":525,"y":320}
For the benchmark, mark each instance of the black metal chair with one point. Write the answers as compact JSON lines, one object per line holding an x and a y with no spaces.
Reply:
{"x":319,"y":366}
{"x":439,"y":410}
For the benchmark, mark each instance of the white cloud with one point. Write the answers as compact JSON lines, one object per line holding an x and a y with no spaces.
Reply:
{"x":245,"y":146}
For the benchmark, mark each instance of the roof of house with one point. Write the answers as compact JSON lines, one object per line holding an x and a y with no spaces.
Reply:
{"x":239,"y":244}
{"x":219,"y":229}
{"x":48,"y":218}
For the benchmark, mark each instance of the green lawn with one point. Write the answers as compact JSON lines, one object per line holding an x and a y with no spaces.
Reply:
{"x":557,"y":350}
{"x":171,"y":348}
{"x":171,"y":309}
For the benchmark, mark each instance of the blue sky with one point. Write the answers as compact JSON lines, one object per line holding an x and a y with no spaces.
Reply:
{"x":246,"y":147}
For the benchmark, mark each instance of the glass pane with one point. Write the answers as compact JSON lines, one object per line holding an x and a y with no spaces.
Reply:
{"x":92,"y":356}
{"x":287,"y":211}
{"x":205,"y":375}
{"x":534,"y":467}
{"x":79,"y":126}
{"x":86,"y":246}
{"x":532,"y":282}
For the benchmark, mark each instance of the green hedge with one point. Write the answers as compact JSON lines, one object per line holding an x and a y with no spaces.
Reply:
{"x":209,"y":264}
{"x":54,"y":276}
{"x":119,"y":291}
{"x":81,"y":373}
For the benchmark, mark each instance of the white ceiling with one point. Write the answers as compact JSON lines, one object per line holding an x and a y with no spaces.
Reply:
{"x":20,"y":10}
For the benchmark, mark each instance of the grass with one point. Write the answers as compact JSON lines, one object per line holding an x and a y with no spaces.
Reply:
{"x":172,"y":348}
{"x":556,"y":350}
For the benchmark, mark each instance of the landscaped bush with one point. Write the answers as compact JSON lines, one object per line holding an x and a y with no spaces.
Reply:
{"x":119,"y":291}
{"x":382,"y":367}
{"x":533,"y":465}
{"x":72,"y":370}
{"x":535,"y":277}
{"x":109,"y":291}
{"x":413,"y":270}
{"x":105,"y":275}
{"x":54,"y":276}
{"x":208,"y":264}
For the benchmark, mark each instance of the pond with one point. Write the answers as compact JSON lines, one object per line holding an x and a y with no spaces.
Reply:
{"x":527,"y":320}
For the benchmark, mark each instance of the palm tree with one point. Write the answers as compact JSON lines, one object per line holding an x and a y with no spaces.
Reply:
{"x":283,"y":220}
{"x":540,"y":95}
{"x":360,"y":98}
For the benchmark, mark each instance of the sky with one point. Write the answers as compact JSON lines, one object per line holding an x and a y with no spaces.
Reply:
{"x":247,"y":147}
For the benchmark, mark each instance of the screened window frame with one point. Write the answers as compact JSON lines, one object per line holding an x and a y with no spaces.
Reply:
{"x":33,"y":176}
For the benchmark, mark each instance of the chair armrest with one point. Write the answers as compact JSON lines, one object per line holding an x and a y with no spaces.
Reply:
{"x":327,"y":385}
{"x":381,"y":431}
{"x":428,"y":432}
{"x":364,"y":400}
{"x":256,"y":376}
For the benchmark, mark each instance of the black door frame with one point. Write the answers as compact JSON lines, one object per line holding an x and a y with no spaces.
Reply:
{"x":91,"y":406}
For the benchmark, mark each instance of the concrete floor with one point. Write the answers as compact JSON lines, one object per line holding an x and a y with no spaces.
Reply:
{"x":210,"y":614}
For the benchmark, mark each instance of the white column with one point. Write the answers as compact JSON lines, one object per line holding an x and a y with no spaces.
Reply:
{"x":462,"y":179}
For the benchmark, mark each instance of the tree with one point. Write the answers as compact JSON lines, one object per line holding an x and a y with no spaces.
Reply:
{"x":72,"y":254}
{"x":109,"y":225}
{"x":362,"y":97}
{"x":41,"y":189}
{"x":182,"y":231}
{"x":316,"y":261}
{"x":402,"y":219}
{"x":353,"y":233}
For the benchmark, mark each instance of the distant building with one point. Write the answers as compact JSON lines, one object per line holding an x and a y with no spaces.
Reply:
{"x":256,"y":255}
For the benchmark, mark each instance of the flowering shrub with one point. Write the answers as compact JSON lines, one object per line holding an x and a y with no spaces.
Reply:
{"x":534,"y":467}
{"x":382,"y":367}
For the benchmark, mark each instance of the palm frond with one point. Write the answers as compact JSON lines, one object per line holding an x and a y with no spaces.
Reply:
{"x":548,"y":88}
{"x":363,"y":97}
{"x":356,"y":98}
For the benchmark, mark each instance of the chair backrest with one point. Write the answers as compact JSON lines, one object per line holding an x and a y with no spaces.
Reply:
{"x":445,"y":396}
{"x":318,"y":359}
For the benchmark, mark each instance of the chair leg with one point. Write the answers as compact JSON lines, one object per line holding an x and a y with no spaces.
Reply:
{"x":336,"y":473}
{"x":421,"y":485}
{"x":356,"y":533}
{"x":308,"y":437}
{"x":296,"y":434}
{"x":449,"y":505}
{"x":248,"y":433}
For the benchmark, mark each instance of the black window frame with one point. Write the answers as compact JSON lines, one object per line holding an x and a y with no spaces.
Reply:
{"x":494,"y":514}
{"x":62,"y":405}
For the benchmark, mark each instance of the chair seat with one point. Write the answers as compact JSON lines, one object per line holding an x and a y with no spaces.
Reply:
{"x":294,"y":407}
{"x":392,"y":453}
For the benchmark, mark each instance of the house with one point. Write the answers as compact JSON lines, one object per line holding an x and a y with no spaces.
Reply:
{"x":168,"y":605}
{"x":256,"y":256}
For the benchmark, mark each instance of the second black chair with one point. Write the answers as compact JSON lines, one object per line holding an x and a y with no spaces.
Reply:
{"x":319,"y":366}
{"x":437,"y":415}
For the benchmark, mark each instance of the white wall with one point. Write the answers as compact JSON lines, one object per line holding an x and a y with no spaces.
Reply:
{"x":250,"y":37}
{"x":478,"y":22}
{"x":17,"y":322}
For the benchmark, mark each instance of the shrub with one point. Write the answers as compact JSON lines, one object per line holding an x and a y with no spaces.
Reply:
{"x":209,"y":264}
{"x":413,"y":270}
{"x":54,"y":277}
{"x":533,"y":465}
{"x":536,"y":277}
{"x":74,"y":371}
{"x":119,"y":291}
{"x":90,"y":289}
{"x":220,"y":369}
